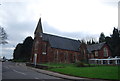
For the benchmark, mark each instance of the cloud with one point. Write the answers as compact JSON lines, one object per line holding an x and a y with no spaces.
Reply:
{"x":76,"y":19}
{"x":47,"y":28}
{"x":112,"y":3}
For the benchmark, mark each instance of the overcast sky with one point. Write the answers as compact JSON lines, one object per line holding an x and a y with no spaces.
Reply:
{"x":76,"y":19}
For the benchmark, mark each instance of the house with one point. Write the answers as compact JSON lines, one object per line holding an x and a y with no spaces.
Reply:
{"x":52,"y":48}
{"x":94,"y":51}
{"x":101,"y":54}
{"x":99,"y":51}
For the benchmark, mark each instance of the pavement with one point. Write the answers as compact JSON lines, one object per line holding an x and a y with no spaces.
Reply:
{"x":64,"y":76}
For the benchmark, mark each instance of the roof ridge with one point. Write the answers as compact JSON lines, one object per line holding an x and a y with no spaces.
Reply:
{"x":60,"y":36}
{"x":96,"y":44}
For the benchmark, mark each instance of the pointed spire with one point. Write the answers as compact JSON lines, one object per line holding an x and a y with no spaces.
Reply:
{"x":39,"y":27}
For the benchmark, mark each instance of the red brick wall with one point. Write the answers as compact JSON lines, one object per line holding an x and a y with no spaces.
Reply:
{"x":51,"y":54}
{"x":101,"y":53}
{"x":83,"y":51}
{"x":62,"y":56}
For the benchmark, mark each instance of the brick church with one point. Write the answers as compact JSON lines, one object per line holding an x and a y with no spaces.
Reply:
{"x":52,"y":48}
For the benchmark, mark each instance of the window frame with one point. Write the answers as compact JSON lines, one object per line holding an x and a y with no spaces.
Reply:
{"x":105,"y":52}
{"x":44,"y":48}
{"x":36,"y":44}
{"x":96,"y":54}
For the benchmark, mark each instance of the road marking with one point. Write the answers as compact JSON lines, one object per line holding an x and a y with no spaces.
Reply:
{"x":36,"y":78}
{"x":7,"y":67}
{"x":19,"y":72}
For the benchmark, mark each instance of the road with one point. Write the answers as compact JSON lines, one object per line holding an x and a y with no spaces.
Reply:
{"x":11,"y":70}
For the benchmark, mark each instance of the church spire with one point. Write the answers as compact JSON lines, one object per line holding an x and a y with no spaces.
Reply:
{"x":38,"y":30}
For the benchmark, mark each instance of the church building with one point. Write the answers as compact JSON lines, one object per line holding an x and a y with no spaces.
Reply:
{"x":52,"y":48}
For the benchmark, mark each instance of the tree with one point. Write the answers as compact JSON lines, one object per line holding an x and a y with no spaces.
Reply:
{"x":115,"y":42}
{"x":23,"y":51}
{"x":3,"y":36}
{"x":18,"y":51}
{"x":89,"y":42}
{"x":102,"y":38}
{"x":27,"y":48}
{"x":115,"y":36}
{"x":93,"y":42}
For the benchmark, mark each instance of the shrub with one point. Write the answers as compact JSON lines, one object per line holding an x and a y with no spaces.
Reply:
{"x":79,"y":64}
{"x":19,"y":60}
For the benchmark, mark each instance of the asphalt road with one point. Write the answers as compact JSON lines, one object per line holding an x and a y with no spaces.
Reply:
{"x":11,"y":70}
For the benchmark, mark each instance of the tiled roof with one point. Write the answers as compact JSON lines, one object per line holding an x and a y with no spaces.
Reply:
{"x":61,"y":42}
{"x":39,"y":27}
{"x":94,"y":47}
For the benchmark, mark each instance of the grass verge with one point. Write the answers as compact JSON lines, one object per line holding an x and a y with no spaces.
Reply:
{"x":101,"y":72}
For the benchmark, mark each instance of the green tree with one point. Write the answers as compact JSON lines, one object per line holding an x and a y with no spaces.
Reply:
{"x":89,"y":42}
{"x":102,"y":38}
{"x":23,"y":51}
{"x":17,"y":52}
{"x":93,"y":42}
{"x":27,"y":48}
{"x":115,"y":42}
{"x":3,"y":36}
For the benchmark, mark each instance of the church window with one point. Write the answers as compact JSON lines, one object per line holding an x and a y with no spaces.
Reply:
{"x":44,"y":49}
{"x":75,"y":57}
{"x":84,"y":51}
{"x":105,"y":52}
{"x":92,"y":56}
{"x":56,"y":55}
{"x":40,"y":34}
{"x":66,"y":56}
{"x":96,"y":53}
{"x":36,"y":45}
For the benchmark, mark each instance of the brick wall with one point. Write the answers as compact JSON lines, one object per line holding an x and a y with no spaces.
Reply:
{"x":101,"y":53}
{"x":53,"y":54}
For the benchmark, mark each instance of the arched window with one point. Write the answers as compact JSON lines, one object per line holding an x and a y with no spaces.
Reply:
{"x":96,"y":53}
{"x":92,"y":56}
{"x":36,"y":45}
{"x":44,"y":49}
{"x":66,"y":56}
{"x":105,"y":52}
{"x":56,"y":55}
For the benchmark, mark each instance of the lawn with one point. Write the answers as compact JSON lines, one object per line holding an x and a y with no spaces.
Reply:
{"x":101,"y":72}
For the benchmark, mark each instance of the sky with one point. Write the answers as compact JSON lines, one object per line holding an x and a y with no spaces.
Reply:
{"x":76,"y":19}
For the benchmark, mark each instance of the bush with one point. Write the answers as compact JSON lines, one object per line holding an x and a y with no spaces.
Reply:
{"x":19,"y":60}
{"x":10,"y":59}
{"x":79,"y":64}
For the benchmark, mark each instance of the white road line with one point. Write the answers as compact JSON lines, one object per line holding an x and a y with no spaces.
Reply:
{"x":36,"y":78}
{"x":19,"y":72}
{"x":7,"y":67}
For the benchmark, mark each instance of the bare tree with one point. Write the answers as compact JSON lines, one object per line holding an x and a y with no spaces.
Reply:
{"x":3,"y":36}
